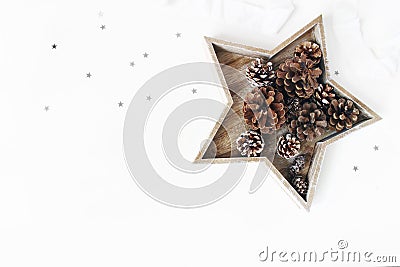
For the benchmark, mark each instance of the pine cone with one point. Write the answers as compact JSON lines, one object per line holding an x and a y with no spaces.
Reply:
{"x":298,"y":164}
{"x":293,"y":108}
{"x":250,"y":144}
{"x":342,"y":113}
{"x":264,"y":109}
{"x":260,"y":73}
{"x":301,"y":185}
{"x":298,"y":76}
{"x":324,"y":95}
{"x":310,"y":49}
{"x":310,"y":124}
{"x":288,"y":146}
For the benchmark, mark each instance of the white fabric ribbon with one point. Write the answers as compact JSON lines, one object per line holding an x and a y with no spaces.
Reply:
{"x":374,"y":25}
{"x":267,"y":16}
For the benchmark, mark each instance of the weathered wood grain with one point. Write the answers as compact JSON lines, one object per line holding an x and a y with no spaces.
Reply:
{"x":226,"y":135}
{"x":222,"y":149}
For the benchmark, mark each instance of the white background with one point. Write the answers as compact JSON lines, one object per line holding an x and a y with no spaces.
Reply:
{"x":66,"y":196}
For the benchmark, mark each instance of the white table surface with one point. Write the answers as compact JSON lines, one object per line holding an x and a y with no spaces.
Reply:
{"x":66,"y":196}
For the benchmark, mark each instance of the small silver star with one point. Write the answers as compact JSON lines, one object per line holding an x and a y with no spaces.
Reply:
{"x":178,"y":34}
{"x":145,"y":55}
{"x":88,"y":75}
{"x":336,"y":72}
{"x":132,"y":64}
{"x":54,"y":46}
{"x":194,"y":91}
{"x":46,"y":108}
{"x":120,"y":104}
{"x":101,"y":14}
{"x":355,"y":168}
{"x":376,"y":148}
{"x":148,"y":98}
{"x":103,"y":27}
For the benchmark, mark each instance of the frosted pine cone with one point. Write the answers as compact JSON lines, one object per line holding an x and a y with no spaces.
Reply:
{"x":342,"y":114}
{"x":298,"y":76}
{"x":250,"y":144}
{"x":260,"y":73}
{"x":264,"y":109}
{"x":298,"y":164}
{"x":288,"y":146}
{"x":324,"y":95}
{"x":293,"y":108}
{"x":301,"y":185}
{"x":310,"y":124}
{"x":310,"y":49}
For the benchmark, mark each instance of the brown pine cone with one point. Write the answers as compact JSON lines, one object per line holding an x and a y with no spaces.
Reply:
{"x":324,"y":95}
{"x":298,"y":76}
{"x":288,"y":146}
{"x":301,"y":185}
{"x":264,"y":109}
{"x":260,"y":73}
{"x":250,"y":144}
{"x":310,"y":124}
{"x":342,"y":114}
{"x":310,"y":49}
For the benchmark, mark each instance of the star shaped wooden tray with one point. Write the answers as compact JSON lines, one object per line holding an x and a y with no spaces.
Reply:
{"x":238,"y":57}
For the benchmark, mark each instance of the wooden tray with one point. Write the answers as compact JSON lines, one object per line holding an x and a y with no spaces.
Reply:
{"x":238,"y":57}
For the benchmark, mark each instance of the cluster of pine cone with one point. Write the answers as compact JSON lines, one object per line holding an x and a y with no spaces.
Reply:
{"x":299,"y":182}
{"x":292,"y":95}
